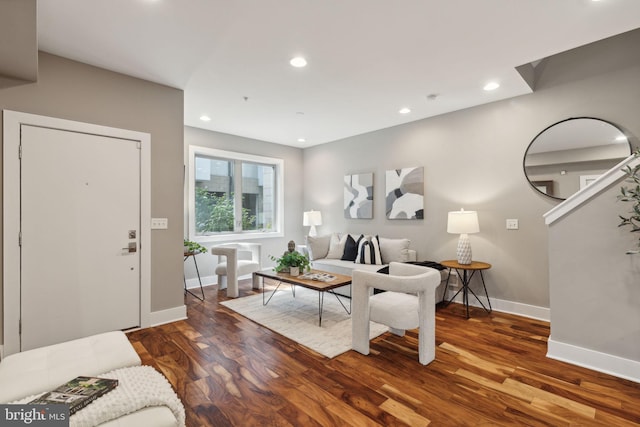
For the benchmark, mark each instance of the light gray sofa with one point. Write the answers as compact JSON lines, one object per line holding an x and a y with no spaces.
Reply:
{"x":326,"y":253}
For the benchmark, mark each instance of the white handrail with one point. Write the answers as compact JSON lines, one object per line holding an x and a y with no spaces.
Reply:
{"x":612,"y":176}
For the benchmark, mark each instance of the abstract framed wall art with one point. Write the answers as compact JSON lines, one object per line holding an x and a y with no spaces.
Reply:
{"x":405,"y":193}
{"x":358,"y":196}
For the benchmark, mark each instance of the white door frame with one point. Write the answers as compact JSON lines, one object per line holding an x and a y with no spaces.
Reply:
{"x":11,"y":213}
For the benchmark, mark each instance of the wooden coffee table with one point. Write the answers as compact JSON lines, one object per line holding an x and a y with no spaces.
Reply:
{"x":316,"y":285}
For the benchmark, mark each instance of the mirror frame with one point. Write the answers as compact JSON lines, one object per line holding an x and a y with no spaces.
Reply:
{"x":535,"y":184}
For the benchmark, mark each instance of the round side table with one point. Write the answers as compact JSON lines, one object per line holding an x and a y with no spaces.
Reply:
{"x":466,"y":279}
{"x":192,"y":254}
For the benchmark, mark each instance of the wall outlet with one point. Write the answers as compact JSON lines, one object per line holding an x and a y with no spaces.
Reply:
{"x":159,"y":223}
{"x":512,"y":224}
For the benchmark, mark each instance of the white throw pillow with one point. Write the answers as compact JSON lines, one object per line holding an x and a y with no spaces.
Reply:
{"x":318,"y":246}
{"x":336,"y":246}
{"x":394,"y":250}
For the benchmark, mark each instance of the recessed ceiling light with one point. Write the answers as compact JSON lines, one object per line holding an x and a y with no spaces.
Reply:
{"x":302,"y":140}
{"x":298,"y":62}
{"x":404,"y":110}
{"x":205,"y":118}
{"x":491,"y":86}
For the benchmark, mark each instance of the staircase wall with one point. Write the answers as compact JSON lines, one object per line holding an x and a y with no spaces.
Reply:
{"x":594,"y":285}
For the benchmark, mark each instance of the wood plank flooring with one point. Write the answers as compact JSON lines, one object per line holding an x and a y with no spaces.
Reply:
{"x":490,"y":370}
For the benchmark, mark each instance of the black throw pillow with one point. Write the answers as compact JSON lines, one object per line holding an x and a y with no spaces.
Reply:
{"x":351,"y":248}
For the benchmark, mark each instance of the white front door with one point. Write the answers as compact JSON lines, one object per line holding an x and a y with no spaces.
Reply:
{"x":80,"y":234}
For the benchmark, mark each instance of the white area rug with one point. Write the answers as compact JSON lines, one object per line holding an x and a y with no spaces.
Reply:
{"x":297,"y":319}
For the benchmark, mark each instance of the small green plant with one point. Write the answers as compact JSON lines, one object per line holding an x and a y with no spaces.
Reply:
{"x":215,"y":213}
{"x":631,"y":194}
{"x":194,"y":247}
{"x":291,"y":259}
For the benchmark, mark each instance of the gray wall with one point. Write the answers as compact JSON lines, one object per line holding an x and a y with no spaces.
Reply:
{"x":473,"y":160}
{"x":595,"y":286}
{"x":75,"y":91}
{"x":19,"y":49}
{"x":293,"y":189}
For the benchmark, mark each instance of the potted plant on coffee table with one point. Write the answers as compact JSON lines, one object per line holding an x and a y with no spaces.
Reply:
{"x":293,"y":262}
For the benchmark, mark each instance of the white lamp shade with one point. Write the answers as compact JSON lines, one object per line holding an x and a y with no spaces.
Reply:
{"x":463,"y":222}
{"x":312,"y":218}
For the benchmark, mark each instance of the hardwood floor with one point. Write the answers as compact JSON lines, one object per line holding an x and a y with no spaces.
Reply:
{"x":489,"y":370}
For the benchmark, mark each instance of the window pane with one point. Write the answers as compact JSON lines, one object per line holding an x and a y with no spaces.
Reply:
{"x":258,"y":196}
{"x":214,"y":205}
{"x":233,"y":193}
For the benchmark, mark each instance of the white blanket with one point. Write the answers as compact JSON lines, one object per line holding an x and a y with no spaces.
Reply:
{"x":138,"y":387}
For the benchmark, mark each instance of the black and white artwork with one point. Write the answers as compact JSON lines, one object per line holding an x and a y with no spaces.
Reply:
{"x":358,"y":196}
{"x":405,"y":193}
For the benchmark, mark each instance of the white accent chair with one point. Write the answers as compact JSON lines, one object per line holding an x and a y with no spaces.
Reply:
{"x":409,"y":303}
{"x":241,"y":259}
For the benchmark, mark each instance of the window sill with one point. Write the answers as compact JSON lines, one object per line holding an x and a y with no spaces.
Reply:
{"x":236,"y":237}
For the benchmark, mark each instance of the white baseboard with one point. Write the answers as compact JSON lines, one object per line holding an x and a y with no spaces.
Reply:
{"x":504,"y":306}
{"x":594,"y":360}
{"x":209,"y":280}
{"x":169,"y":315}
{"x":206,"y":281}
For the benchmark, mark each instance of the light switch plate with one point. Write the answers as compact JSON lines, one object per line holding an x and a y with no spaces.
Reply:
{"x":159,"y":223}
{"x":512,"y":224}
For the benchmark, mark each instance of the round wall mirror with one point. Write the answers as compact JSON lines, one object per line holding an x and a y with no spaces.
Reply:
{"x":570,"y":154}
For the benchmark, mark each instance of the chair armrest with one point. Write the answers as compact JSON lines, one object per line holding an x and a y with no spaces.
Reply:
{"x":404,"y":269}
{"x":256,"y":252}
{"x":412,"y":279}
{"x":224,"y":251}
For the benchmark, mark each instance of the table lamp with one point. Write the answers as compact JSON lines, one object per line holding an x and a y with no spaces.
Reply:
{"x":312,"y":218}
{"x":463,"y":223}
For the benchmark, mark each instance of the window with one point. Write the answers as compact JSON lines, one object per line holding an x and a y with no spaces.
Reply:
{"x":233,"y":193}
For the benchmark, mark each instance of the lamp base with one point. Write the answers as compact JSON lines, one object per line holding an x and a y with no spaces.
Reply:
{"x":312,"y":231}
{"x":464,"y":250}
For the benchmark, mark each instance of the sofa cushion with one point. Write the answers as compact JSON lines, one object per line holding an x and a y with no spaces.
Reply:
{"x":342,"y":267}
{"x":336,"y":245}
{"x":43,"y":369}
{"x":318,"y":246}
{"x":351,"y":247}
{"x":394,"y":250}
{"x":369,"y":251}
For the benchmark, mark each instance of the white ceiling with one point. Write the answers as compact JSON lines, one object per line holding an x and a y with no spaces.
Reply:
{"x":366,"y":58}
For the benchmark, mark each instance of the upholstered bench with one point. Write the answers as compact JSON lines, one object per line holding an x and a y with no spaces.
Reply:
{"x":42,"y":369}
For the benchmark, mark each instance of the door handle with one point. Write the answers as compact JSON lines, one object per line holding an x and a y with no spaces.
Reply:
{"x":132,"y":248}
